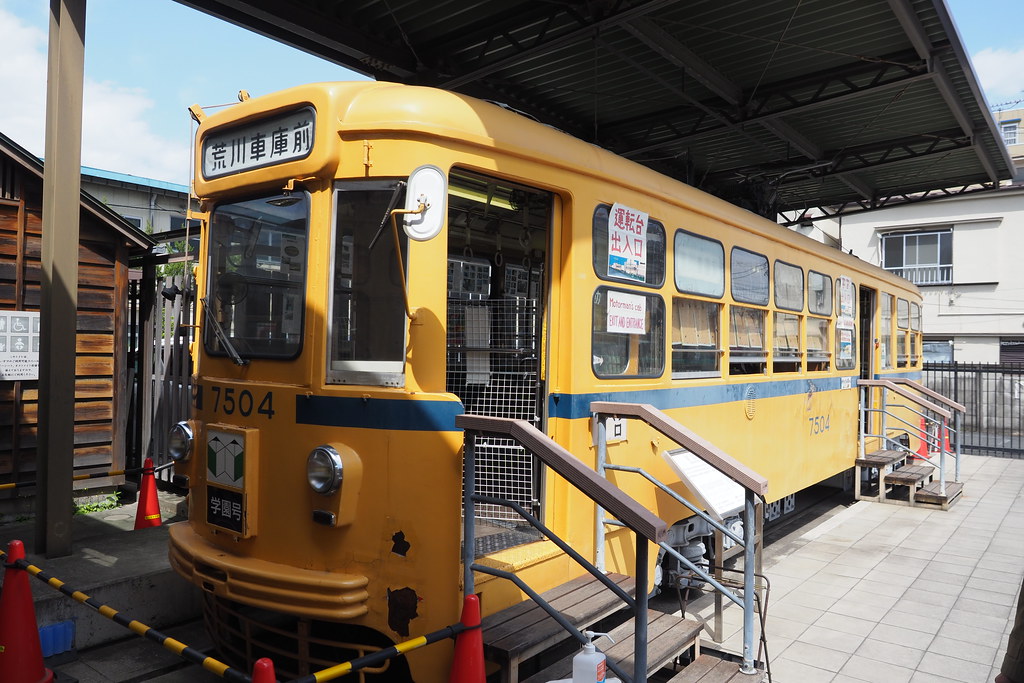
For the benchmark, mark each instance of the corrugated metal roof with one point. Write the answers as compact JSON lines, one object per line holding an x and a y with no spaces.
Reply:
{"x":792,"y":106}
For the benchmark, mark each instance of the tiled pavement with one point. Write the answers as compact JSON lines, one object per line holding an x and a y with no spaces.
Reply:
{"x":893,"y":594}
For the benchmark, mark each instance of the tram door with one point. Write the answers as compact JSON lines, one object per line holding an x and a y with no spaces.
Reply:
{"x":866,"y":349}
{"x":866,"y":315}
{"x":498,"y":236}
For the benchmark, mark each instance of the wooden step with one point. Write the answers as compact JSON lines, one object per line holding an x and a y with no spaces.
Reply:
{"x":930,"y":495}
{"x":910,"y":475}
{"x":708,"y":669}
{"x":667,"y":637}
{"x":881,"y":459}
{"x":517,"y":633}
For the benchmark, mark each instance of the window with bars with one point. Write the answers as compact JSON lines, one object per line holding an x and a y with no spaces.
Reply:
{"x":924,"y":258}
{"x":1010,"y":131}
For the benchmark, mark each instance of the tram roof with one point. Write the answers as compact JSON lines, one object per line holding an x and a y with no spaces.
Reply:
{"x":804,"y":107}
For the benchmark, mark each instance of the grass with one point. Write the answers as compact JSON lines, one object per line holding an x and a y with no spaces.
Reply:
{"x":107,"y":502}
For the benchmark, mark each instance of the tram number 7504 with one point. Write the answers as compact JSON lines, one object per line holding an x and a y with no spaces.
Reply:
{"x":818,"y":424}
{"x":228,"y":400}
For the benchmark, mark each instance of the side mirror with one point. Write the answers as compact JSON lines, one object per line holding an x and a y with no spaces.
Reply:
{"x":428,"y":187}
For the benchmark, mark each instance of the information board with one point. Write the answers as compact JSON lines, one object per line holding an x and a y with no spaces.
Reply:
{"x":719,"y":495}
{"x":19,"y":345}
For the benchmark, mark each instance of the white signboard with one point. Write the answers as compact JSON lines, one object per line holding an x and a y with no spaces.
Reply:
{"x":627,"y":313}
{"x":269,"y":141}
{"x":19,"y":345}
{"x":627,"y":243}
{"x":846,"y":303}
{"x":719,"y":495}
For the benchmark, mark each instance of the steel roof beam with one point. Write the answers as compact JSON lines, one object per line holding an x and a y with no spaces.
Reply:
{"x":304,"y":30}
{"x":915,"y":32}
{"x":576,"y":35}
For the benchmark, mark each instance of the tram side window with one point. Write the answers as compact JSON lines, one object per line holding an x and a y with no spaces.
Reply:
{"x":747,"y":353}
{"x":903,"y":323}
{"x":699,"y":265}
{"x":915,"y":331}
{"x":638,"y":261}
{"x":696,"y":351}
{"x":819,"y":293}
{"x":749,"y":277}
{"x":885,"y":335}
{"x":257,"y":280}
{"x":818,"y":354}
{"x":628,"y":334}
{"x":367,"y":323}
{"x":846,"y":330}
{"x":786,"y":347}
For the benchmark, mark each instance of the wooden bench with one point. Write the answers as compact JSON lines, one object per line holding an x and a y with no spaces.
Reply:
{"x":667,"y":637}
{"x":517,"y":633}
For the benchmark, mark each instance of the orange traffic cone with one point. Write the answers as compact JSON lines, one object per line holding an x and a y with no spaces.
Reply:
{"x":468,"y":664}
{"x":21,"y":655}
{"x":263,"y":671}
{"x":922,"y":448}
{"x":148,"y":513}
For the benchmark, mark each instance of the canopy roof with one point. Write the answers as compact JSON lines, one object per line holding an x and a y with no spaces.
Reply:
{"x":804,"y":107}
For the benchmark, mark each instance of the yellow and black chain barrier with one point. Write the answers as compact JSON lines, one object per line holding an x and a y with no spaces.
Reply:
{"x":219,"y":668}
{"x":137,"y":627}
{"x":94,"y":475}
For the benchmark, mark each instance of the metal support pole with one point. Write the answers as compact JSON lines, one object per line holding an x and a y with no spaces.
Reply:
{"x":640,"y":638}
{"x":959,"y":437}
{"x":940,"y":438}
{"x":863,"y":400}
{"x":883,"y":427}
{"x":748,"y":583}
{"x":468,"y":512}
{"x":601,"y":433}
{"x":62,"y":199}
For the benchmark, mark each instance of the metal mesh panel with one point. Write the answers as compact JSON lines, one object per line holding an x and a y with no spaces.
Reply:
{"x":493,"y":361}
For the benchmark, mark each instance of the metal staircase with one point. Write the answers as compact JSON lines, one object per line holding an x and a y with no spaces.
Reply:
{"x":648,"y":640}
{"x":888,"y":469}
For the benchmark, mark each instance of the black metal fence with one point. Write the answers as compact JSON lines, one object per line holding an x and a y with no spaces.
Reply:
{"x":994,"y":398}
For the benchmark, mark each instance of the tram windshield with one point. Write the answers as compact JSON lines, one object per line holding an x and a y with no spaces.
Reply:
{"x":367,"y":344}
{"x":257,"y":276}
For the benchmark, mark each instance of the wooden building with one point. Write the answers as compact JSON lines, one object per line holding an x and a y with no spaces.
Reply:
{"x":102,"y":393}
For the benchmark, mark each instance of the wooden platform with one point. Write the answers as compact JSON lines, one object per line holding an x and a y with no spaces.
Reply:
{"x":667,"y":637}
{"x":877,"y":463}
{"x":708,"y":669}
{"x":524,"y":630}
{"x":929,"y":495}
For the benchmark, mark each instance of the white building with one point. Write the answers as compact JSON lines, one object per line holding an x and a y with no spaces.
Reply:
{"x":153,"y":206}
{"x":966,"y":253}
{"x":1012,"y":130}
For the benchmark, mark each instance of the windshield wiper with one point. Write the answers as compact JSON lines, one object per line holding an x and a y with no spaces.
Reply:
{"x":236,"y":358}
{"x":395,"y":196}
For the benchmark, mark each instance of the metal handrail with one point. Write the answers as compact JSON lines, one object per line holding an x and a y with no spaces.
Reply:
{"x":646,"y":526}
{"x":886,"y":385}
{"x":753,"y":483}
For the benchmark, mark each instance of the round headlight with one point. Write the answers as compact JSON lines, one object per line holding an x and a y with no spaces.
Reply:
{"x":324,"y":470}
{"x":179,"y":441}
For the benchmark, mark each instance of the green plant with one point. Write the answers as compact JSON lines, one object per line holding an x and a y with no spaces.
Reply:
{"x":107,"y":502}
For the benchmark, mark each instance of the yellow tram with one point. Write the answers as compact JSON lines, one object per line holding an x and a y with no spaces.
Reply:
{"x":532,"y":274}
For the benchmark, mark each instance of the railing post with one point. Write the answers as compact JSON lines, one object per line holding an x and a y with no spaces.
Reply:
{"x":940,"y":437}
{"x":601,"y":435}
{"x":640,"y":637}
{"x":959,"y":437}
{"x":748,"y":583}
{"x":881,"y":417}
{"x":864,"y":393}
{"x":468,"y":512}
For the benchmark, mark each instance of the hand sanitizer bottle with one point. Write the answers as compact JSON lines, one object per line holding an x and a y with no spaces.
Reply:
{"x":589,"y":665}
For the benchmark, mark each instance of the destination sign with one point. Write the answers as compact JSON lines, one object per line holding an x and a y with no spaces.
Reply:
{"x":267,"y":142}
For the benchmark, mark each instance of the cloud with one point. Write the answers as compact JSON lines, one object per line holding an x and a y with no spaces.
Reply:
{"x":1001,"y":73}
{"x":116,"y":135}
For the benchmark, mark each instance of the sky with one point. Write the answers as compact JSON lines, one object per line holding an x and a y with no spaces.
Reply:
{"x":147,"y":61}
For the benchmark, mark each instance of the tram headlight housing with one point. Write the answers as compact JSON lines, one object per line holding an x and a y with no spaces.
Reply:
{"x":179,"y":441}
{"x":324,"y":470}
